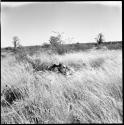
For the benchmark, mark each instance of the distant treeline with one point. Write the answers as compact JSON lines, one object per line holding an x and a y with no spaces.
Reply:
{"x":75,"y":46}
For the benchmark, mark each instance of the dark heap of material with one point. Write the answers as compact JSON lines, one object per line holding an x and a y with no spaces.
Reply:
{"x":60,"y":68}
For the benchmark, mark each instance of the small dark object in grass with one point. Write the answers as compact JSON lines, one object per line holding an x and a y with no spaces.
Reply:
{"x":3,"y":56}
{"x":12,"y":94}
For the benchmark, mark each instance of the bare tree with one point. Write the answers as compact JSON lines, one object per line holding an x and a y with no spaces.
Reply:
{"x":57,"y":43}
{"x":100,"y":38}
{"x":16,"y":42}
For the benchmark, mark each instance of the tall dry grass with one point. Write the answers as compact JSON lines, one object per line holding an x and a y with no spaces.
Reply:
{"x":92,"y":94}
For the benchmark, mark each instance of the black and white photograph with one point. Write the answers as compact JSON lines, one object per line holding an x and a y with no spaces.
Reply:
{"x":61,"y":62}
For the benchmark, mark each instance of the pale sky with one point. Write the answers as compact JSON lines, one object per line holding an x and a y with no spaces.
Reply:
{"x":33,"y":22}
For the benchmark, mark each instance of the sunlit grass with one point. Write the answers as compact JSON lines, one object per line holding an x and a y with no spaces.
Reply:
{"x":92,"y":94}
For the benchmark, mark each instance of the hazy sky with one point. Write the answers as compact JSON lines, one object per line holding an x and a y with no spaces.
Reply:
{"x":33,"y":22}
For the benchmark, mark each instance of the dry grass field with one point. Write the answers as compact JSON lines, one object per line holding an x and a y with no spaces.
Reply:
{"x":92,"y":93}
